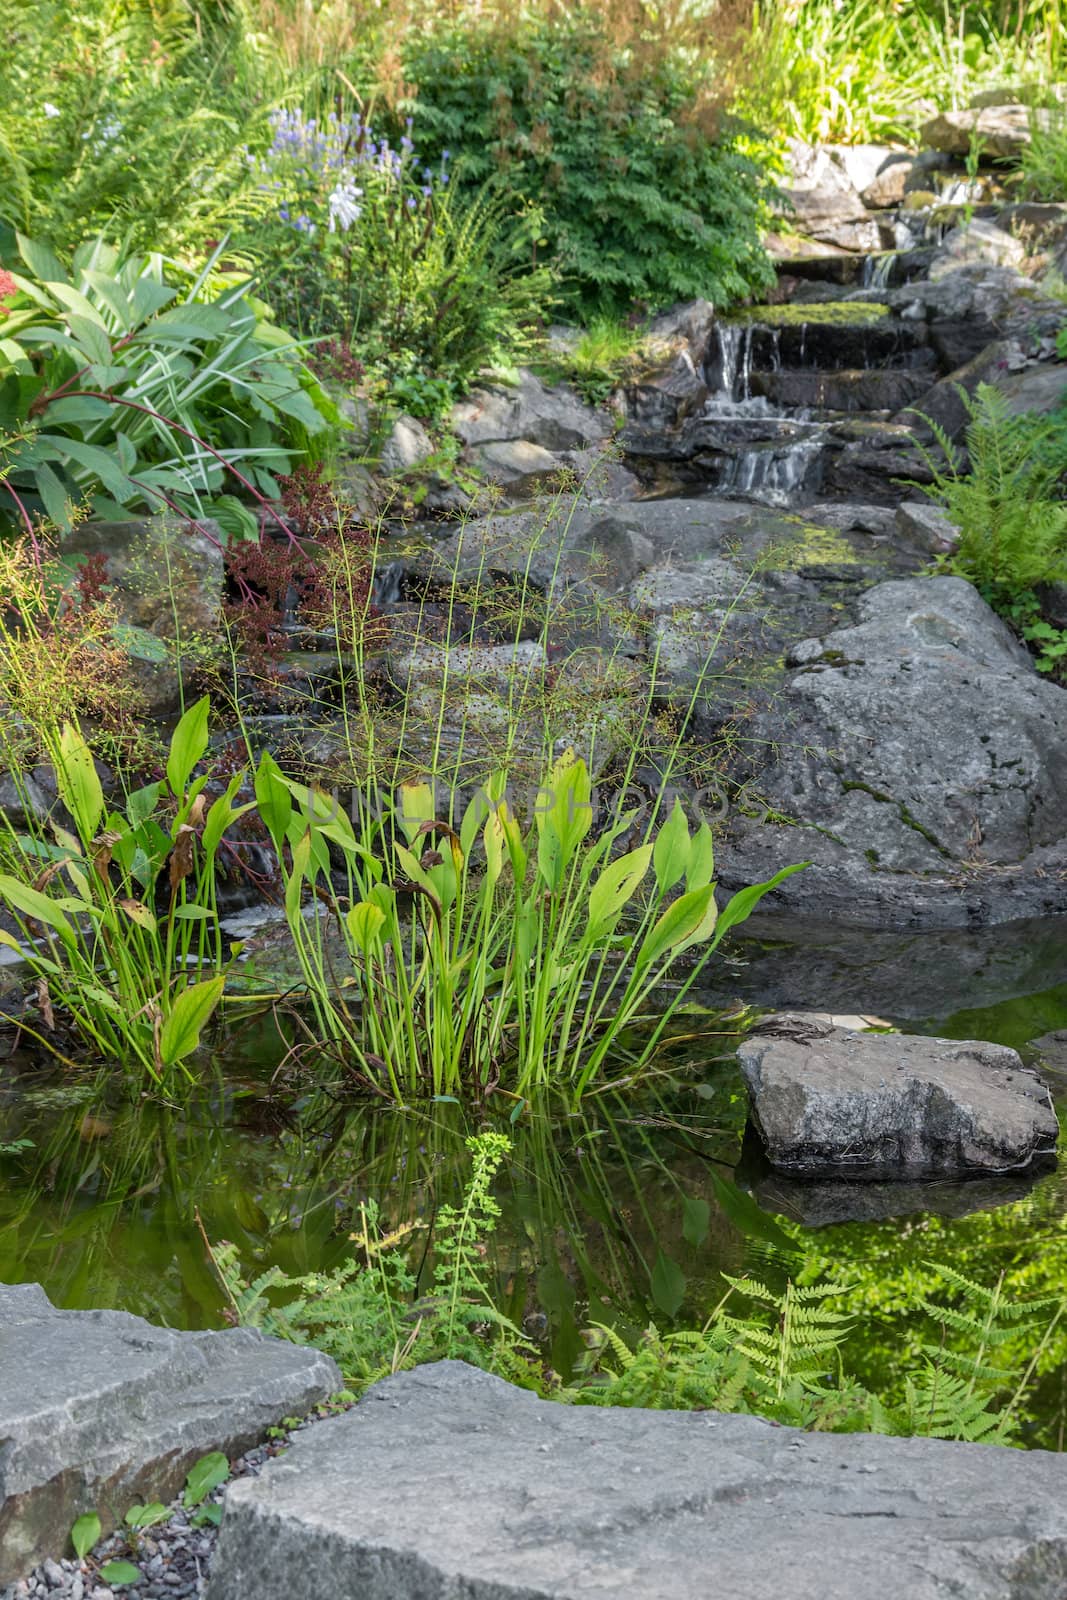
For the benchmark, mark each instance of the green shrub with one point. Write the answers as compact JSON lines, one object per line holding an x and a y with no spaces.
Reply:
{"x":821,"y":70}
{"x":125,"y":119}
{"x":121,"y":389}
{"x":362,"y":240}
{"x":638,"y":200}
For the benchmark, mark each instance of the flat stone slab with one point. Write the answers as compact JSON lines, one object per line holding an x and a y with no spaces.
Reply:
{"x":891,"y":1105}
{"x":100,"y":1411}
{"x":448,"y":1484}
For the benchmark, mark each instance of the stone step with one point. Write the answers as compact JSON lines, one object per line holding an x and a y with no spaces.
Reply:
{"x":100,"y":1411}
{"x":447,"y":1482}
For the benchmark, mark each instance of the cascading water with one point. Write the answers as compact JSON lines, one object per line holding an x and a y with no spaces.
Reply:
{"x":782,"y":458}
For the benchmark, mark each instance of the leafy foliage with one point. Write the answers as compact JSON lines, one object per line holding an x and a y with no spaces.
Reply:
{"x":1003,"y":496}
{"x":121,"y":389}
{"x":527,"y":971}
{"x":864,"y":71}
{"x":118,"y":918}
{"x":368,"y":1314}
{"x":126,"y":119}
{"x":637,"y":201}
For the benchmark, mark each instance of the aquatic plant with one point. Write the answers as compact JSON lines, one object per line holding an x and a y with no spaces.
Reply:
{"x":118,"y":918}
{"x":494,"y":956}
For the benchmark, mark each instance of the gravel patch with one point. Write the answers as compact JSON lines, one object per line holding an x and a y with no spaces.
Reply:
{"x":174,"y":1556}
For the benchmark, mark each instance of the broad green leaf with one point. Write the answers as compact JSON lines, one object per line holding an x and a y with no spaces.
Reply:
{"x":300,"y":870}
{"x":85,"y":1533}
{"x":273,"y":799}
{"x":79,"y":408}
{"x":191,"y":913}
{"x":188,"y":743}
{"x":82,"y":309}
{"x":138,"y":643}
{"x":222,"y":815}
{"x":677,"y":925}
{"x":40,"y":260}
{"x":615,"y":888}
{"x":119,"y":1573}
{"x":189,"y":1015}
{"x":142,"y":802}
{"x":79,"y":783}
{"x":414,"y":805}
{"x":668,"y":1285}
{"x":204,"y":1476}
{"x":564,"y":803}
{"x":701,"y":858}
{"x":696,"y":1215}
{"x":365,"y":922}
{"x":745,"y":901}
{"x":672,"y":850}
{"x":90,"y":337}
{"x":57,"y":501}
{"x":95,"y":460}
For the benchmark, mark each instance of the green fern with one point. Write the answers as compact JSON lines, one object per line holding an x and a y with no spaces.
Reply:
{"x":1003,"y":495}
{"x":366,"y":1314}
{"x":943,"y":1405}
{"x":801,"y":1341}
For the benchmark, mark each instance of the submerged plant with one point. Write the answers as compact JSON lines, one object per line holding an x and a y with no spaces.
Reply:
{"x":494,"y":956}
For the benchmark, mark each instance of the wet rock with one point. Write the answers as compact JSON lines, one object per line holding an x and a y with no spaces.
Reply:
{"x":466,"y":667}
{"x":1037,"y":225}
{"x":889,"y":185}
{"x":553,"y":418}
{"x":824,"y":203}
{"x":976,"y":241}
{"x":886,"y":390}
{"x":925,"y":757}
{"x":927,"y":526}
{"x":862,"y":164}
{"x":828,"y":1099}
{"x":99,"y":1410}
{"x":819,"y":1204}
{"x":998,"y":131}
{"x":165,"y":577}
{"x":448,"y":1481}
{"x":1052,"y":1049}
{"x":519,"y":465}
{"x":407,"y":447}
{"x":802,"y":963}
{"x":671,"y":384}
{"x":944,"y":405}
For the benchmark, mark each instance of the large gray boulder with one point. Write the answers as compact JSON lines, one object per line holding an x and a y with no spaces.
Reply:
{"x":926,"y":762}
{"x":446,"y":1482}
{"x":823,"y":201}
{"x":995,"y":132}
{"x":99,"y":1411}
{"x":827,"y":1099}
{"x":553,"y":417}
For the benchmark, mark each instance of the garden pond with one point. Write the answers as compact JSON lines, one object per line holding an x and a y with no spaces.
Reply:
{"x":625,"y":1212}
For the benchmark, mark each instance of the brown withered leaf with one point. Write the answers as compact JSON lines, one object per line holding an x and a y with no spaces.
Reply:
{"x":181,"y":857}
{"x":44,"y":1000}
